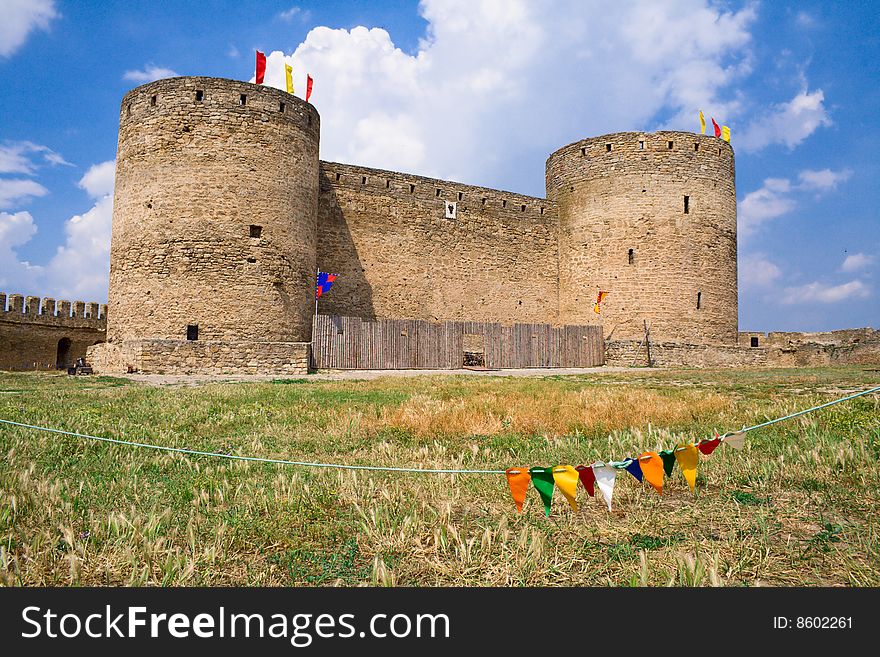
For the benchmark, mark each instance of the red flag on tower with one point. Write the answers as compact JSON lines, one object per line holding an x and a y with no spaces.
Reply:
{"x":308,"y":86}
{"x":261,"y":67}
{"x":717,"y":128}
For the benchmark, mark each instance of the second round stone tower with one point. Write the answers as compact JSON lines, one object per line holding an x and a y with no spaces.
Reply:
{"x":649,"y":218}
{"x":214,"y":221}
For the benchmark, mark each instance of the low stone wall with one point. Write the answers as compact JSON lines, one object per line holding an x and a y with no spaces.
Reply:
{"x":624,"y":353}
{"x":42,"y":334}
{"x":199,"y":357}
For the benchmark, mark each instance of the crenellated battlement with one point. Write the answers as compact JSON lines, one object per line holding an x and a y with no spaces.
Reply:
{"x":47,"y":311}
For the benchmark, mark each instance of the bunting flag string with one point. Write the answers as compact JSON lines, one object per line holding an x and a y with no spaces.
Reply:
{"x":649,"y":466}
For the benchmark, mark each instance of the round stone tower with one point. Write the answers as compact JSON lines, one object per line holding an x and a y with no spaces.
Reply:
{"x":649,"y":218}
{"x":214,"y":216}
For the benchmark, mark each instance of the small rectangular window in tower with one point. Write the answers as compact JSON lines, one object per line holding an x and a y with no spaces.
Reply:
{"x":192,"y":331}
{"x":642,"y":145}
{"x":412,"y":189}
{"x":696,"y":147}
{"x":503,"y":204}
{"x":252,"y":260}
{"x":338,"y":177}
{"x":542,"y":210}
{"x":607,"y":148}
{"x":631,"y":256}
{"x":687,"y":204}
{"x":242,"y":99}
{"x":281,"y":107}
{"x":153,"y":103}
{"x":483,"y":201}
{"x":753,"y":341}
{"x":584,"y":151}
{"x":387,"y":183}
{"x":460,"y":196}
{"x":309,"y":121}
{"x":438,"y":192}
{"x":719,"y":151}
{"x":363,"y":180}
{"x":129,"y":109}
{"x":699,"y":300}
{"x":200,"y":95}
{"x":670,"y":144}
{"x":255,"y":230}
{"x":522,"y":208}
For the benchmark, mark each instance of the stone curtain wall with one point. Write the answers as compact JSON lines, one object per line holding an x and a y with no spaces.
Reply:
{"x":397,"y":255}
{"x":200,"y":161}
{"x":31,"y":329}
{"x":626,"y":191}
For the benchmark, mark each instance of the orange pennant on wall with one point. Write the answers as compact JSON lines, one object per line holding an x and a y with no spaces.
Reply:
{"x":518,"y":479}
{"x":652,"y":470}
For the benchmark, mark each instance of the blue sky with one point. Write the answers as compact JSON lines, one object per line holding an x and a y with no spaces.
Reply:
{"x":481,"y":92}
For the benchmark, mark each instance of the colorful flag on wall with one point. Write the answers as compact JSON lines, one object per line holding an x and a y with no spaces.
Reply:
{"x":288,"y":77}
{"x":324,"y":283}
{"x":717,"y":128}
{"x":725,"y":133}
{"x":597,"y":307}
{"x":702,"y":123}
{"x":261,"y":67}
{"x":308,"y":87}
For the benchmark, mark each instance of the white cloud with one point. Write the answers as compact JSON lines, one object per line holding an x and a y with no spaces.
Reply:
{"x":495,"y":86}
{"x":16,"y":157}
{"x":99,"y":179}
{"x":857,"y":261}
{"x":20,"y":17}
{"x":756,"y":271}
{"x":770,"y":201}
{"x":80,"y":268}
{"x":14,"y":191}
{"x":821,"y":293}
{"x":150,"y":73}
{"x":15,"y":230}
{"x":823,"y":180}
{"x":788,"y":123}
{"x":778,"y":196}
{"x":294,"y":12}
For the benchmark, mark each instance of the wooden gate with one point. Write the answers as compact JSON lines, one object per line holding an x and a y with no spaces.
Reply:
{"x":389,"y":344}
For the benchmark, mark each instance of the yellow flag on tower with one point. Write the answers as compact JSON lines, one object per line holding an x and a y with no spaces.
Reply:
{"x":725,"y":133}
{"x":288,"y":74}
{"x":702,"y":123}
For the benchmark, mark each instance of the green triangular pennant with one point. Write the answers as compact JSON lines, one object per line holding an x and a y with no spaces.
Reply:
{"x":668,"y":456}
{"x":542,"y":478}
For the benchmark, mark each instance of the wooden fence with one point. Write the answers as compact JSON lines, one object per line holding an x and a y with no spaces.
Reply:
{"x":355,"y":343}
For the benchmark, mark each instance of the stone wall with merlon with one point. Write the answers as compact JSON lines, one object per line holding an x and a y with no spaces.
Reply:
{"x":47,"y":336}
{"x":398,"y":255}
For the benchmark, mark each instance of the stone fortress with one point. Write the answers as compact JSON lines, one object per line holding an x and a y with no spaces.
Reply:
{"x":223,"y":212}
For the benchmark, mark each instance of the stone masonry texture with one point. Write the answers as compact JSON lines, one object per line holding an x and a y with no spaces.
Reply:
{"x":223,"y":212}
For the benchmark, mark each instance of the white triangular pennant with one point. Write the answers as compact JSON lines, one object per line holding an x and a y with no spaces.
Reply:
{"x":605,"y":476}
{"x":736,"y":440}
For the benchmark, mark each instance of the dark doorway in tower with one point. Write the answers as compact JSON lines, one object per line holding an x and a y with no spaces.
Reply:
{"x":63,"y":357}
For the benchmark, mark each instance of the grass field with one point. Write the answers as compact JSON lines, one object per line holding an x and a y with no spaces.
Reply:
{"x":798,"y":506}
